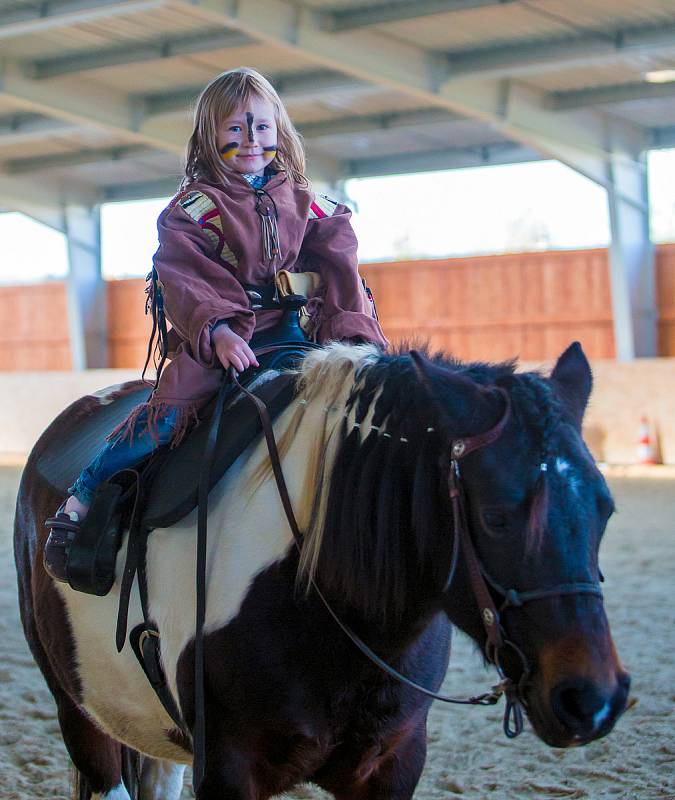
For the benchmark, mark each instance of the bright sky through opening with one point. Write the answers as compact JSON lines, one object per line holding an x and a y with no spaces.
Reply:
{"x":536,"y":206}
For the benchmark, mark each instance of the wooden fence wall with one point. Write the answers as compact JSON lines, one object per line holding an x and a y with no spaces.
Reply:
{"x":665,"y":292}
{"x":529,"y":305}
{"x":34,"y":327}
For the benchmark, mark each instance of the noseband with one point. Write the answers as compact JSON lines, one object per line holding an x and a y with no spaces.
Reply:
{"x":496,"y":640}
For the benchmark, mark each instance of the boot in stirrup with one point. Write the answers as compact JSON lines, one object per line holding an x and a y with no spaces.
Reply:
{"x":64,"y":527}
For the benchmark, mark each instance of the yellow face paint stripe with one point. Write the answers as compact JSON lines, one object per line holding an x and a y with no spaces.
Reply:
{"x":229,"y":151}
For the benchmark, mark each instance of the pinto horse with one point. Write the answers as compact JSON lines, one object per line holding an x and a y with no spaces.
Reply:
{"x":367,"y":446}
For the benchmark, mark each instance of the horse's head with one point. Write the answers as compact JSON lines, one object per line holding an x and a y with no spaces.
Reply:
{"x":536,"y":508}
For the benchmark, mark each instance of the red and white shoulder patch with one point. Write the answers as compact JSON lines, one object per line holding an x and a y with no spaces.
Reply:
{"x":322,"y":206}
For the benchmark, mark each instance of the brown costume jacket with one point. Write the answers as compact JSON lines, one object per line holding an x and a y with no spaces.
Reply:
{"x":211,"y":242}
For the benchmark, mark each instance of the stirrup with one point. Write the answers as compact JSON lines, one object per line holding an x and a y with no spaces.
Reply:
{"x":64,"y":527}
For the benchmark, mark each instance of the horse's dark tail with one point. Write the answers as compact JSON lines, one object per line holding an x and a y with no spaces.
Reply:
{"x":131,"y":777}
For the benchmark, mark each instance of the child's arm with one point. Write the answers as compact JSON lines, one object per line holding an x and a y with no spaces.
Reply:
{"x":199,"y":290}
{"x":329,"y":247}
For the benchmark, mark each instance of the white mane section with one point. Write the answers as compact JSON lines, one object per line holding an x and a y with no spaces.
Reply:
{"x":326,"y":379}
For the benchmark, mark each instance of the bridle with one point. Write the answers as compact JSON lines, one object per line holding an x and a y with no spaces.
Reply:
{"x":496,"y":641}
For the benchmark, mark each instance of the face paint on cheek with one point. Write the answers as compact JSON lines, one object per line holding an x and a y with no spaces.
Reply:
{"x":229,"y":150}
{"x":270,"y":151}
{"x":249,"y":122}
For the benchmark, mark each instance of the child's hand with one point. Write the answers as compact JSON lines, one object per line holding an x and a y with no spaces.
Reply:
{"x":232,"y":350}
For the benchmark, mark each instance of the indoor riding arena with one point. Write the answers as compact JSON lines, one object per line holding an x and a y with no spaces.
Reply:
{"x":510,"y":165}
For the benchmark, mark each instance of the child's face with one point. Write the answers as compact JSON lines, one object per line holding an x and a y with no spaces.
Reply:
{"x":247,"y":139}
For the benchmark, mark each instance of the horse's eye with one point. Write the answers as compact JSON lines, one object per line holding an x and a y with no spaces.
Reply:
{"x":494,"y":520}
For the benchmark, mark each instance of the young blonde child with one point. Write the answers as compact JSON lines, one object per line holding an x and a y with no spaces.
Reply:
{"x":244,"y":211}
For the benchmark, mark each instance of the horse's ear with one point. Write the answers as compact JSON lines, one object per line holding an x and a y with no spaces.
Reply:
{"x":456,"y":397}
{"x":573,"y":380}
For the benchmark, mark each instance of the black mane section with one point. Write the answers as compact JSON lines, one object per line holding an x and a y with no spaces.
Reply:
{"x":387,"y":535}
{"x":388,"y":518}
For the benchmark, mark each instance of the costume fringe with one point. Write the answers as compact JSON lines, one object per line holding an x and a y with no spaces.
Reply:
{"x":186,"y":419}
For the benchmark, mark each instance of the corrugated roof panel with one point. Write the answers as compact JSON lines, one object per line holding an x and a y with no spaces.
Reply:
{"x":128,"y":171}
{"x":345,"y":5}
{"x":196,"y":70}
{"x":30,"y":148}
{"x":406,"y":140}
{"x":154,"y":22}
{"x":153,"y":77}
{"x":7,"y":106}
{"x":69,"y":141}
{"x":403,"y":142}
{"x":620,"y":13}
{"x":623,"y":70}
{"x":104,"y":33}
{"x":480,"y":27}
{"x":526,"y":20}
{"x":384,"y":102}
{"x":265,"y":58}
{"x":647,"y":113}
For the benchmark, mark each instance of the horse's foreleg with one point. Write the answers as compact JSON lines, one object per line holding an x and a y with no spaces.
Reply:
{"x":98,"y":759}
{"x":161,"y":780}
{"x":227,"y":776}
{"x":397,"y":774}
{"x":118,"y":793}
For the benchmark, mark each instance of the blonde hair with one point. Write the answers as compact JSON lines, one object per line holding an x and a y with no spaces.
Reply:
{"x":221,"y":97}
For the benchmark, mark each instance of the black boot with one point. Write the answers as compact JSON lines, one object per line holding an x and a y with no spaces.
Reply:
{"x":64,"y":527}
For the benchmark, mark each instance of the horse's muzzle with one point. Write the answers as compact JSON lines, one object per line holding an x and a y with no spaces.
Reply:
{"x":585,"y":710}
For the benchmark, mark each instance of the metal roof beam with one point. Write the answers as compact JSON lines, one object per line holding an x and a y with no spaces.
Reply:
{"x":18,"y":128}
{"x":531,"y":57}
{"x":293,"y":88}
{"x":79,"y":102}
{"x":442,"y":159}
{"x":352,"y":18}
{"x":364,"y":55}
{"x":378,"y":122}
{"x":43,"y":198}
{"x":154,"y":50}
{"x":605,"y":95}
{"x":26,"y":166}
{"x":25,"y":19}
{"x":663,"y":138}
{"x":143,"y":190}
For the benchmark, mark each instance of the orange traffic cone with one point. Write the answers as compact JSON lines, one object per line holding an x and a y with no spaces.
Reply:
{"x":645,"y":449}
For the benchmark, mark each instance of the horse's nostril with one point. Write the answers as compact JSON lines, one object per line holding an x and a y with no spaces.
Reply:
{"x":580,"y":706}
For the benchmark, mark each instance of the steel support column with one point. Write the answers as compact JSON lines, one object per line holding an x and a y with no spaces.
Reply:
{"x":86,"y":289}
{"x":612,"y":153}
{"x":631,"y":253}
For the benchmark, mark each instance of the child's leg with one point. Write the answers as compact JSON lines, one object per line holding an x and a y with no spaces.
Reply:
{"x":117,"y":455}
{"x":114,"y":456}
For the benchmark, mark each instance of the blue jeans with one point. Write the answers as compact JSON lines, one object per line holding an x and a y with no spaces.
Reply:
{"x":117,"y":455}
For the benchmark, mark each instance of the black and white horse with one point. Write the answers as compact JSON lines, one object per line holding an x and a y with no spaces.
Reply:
{"x":365,"y":450}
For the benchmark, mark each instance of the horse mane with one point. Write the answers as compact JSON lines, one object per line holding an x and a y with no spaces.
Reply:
{"x":375,"y":496}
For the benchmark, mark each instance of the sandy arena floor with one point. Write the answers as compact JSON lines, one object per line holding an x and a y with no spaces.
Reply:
{"x":468,"y":756}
